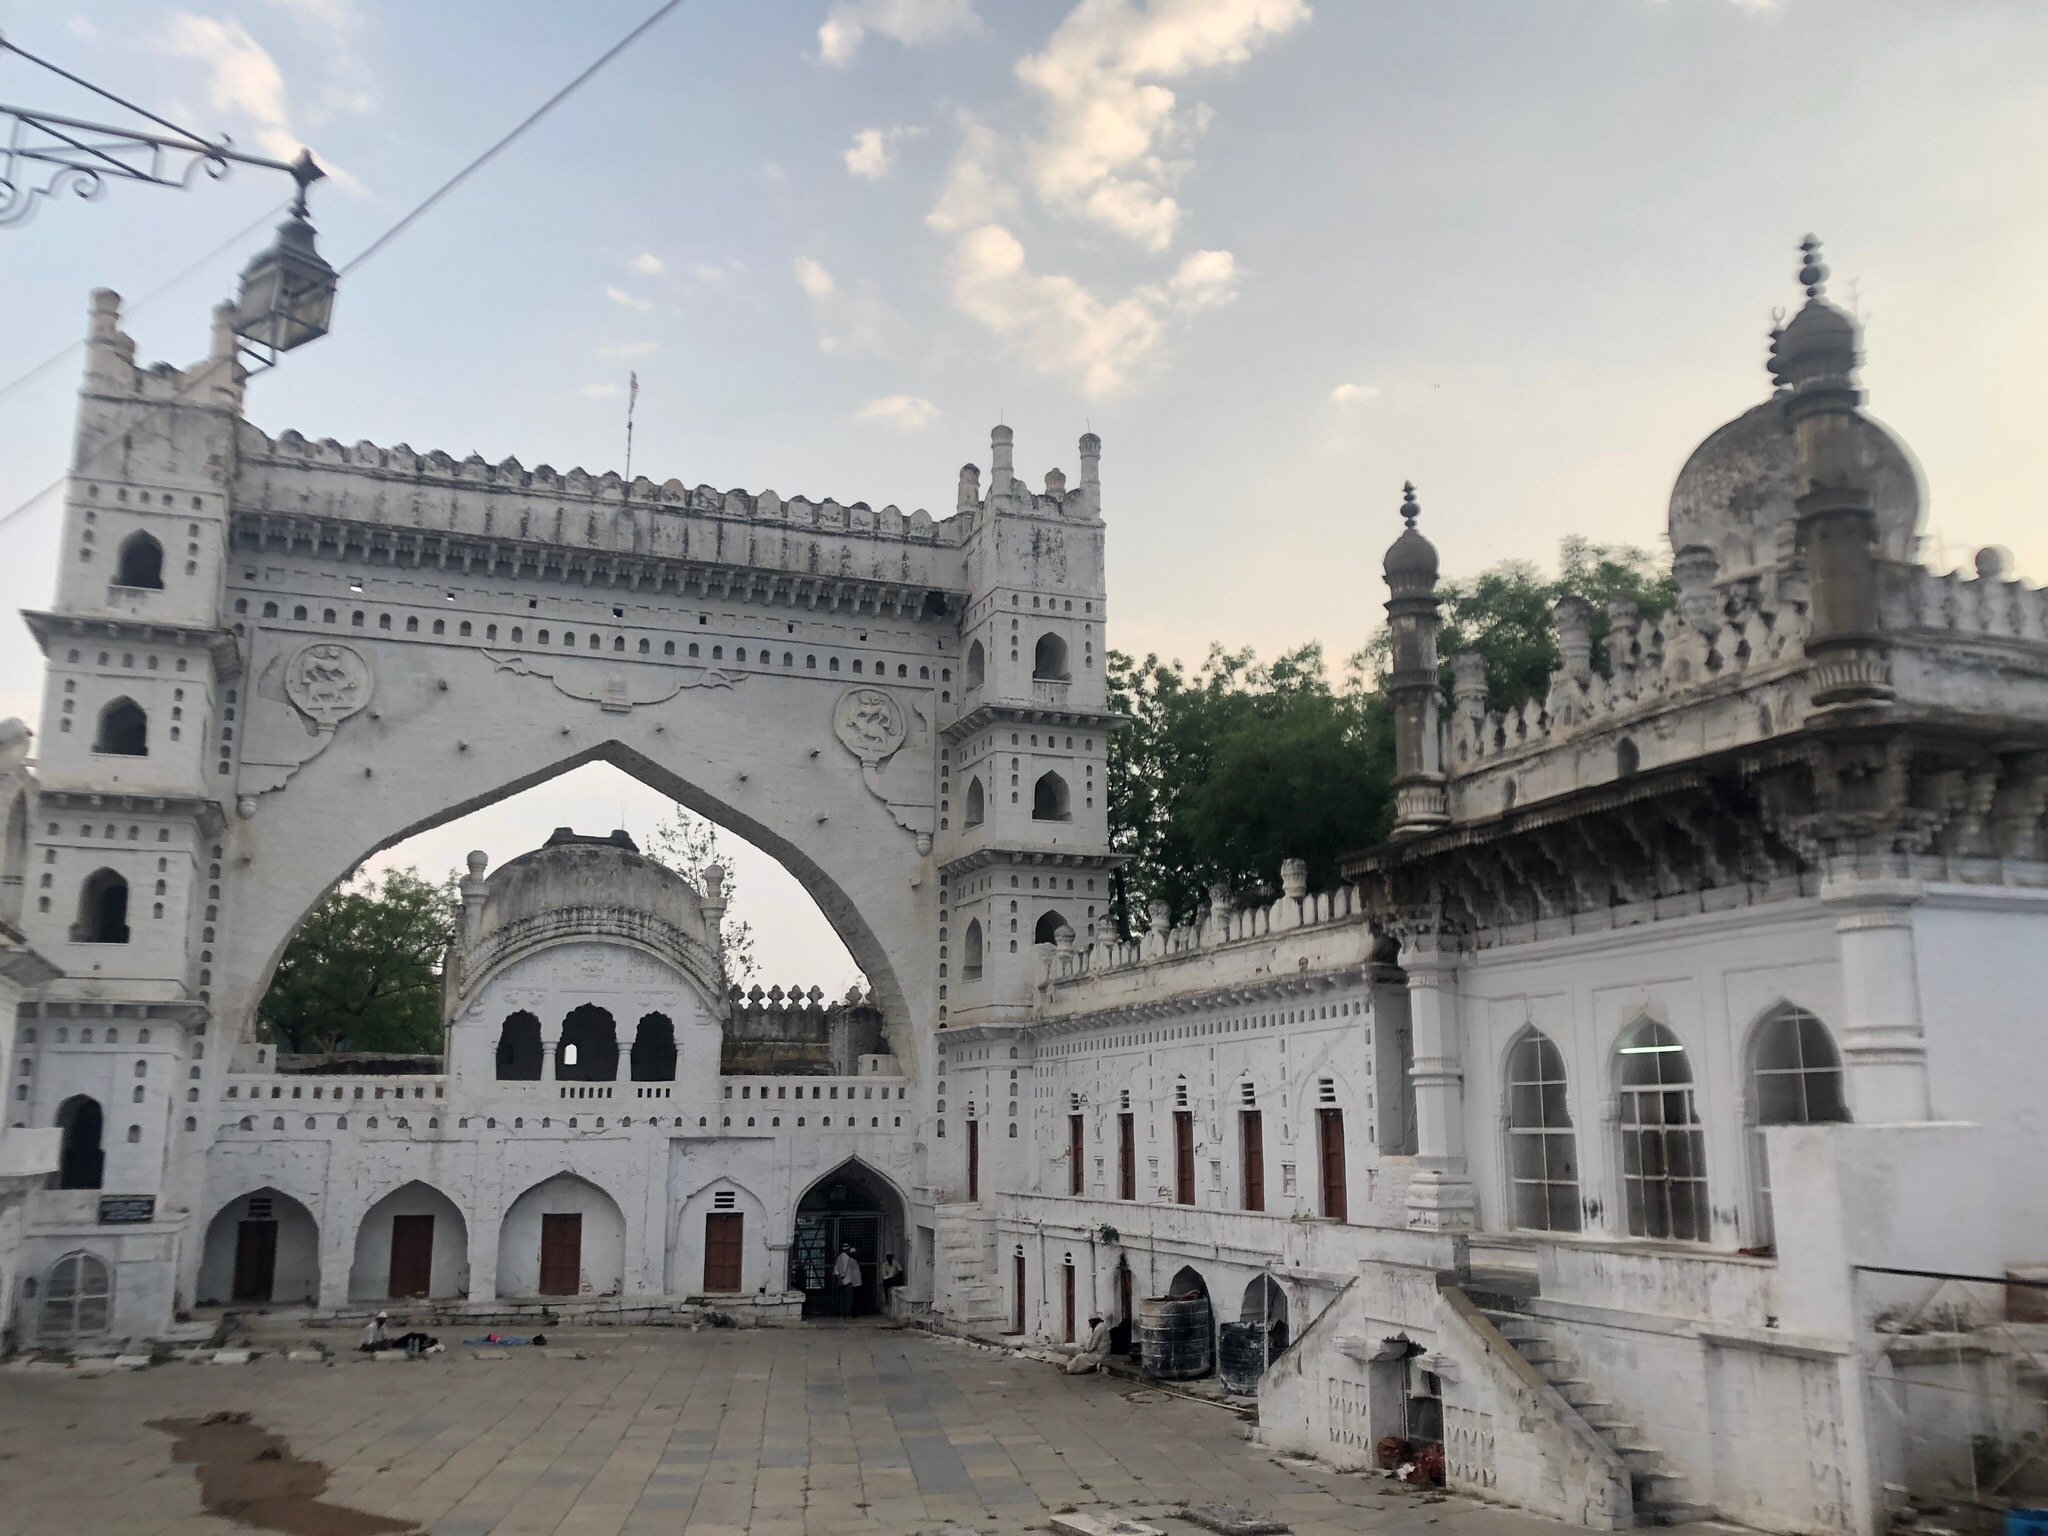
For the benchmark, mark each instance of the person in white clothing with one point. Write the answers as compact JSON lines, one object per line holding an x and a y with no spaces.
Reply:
{"x":1091,"y":1355}
{"x":845,"y":1280}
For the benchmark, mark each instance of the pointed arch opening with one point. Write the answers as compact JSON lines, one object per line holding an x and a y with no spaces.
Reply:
{"x":519,"y":1048}
{"x":78,"y":1299}
{"x":81,"y":1156}
{"x":977,"y":802}
{"x":141,"y":563}
{"x":654,"y":1049}
{"x":588,"y":1051}
{"x":1542,"y":1149}
{"x":1663,"y":1145}
{"x":853,"y":1209}
{"x":123,"y":730}
{"x":563,"y":1237}
{"x":1795,"y":1078}
{"x":411,"y":1244}
{"x":1047,"y":929}
{"x":977,"y":665}
{"x":1050,"y":799}
{"x":261,"y":1248}
{"x":970,"y":951}
{"x":1049,"y":660}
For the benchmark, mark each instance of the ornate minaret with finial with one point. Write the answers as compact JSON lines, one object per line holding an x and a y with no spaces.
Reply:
{"x":1816,"y":358}
{"x":1420,"y":800}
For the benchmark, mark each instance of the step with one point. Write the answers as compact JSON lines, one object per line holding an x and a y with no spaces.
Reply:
{"x":1674,"y":1512}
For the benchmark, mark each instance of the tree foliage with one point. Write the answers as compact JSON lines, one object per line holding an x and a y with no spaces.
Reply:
{"x":363,"y":972}
{"x":1226,"y":771}
{"x":688,"y":844}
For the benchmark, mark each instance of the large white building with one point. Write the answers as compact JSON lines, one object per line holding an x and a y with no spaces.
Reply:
{"x":1653,"y":1121}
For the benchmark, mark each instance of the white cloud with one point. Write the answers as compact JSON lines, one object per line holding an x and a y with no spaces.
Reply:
{"x":773,"y":171}
{"x":338,"y":14}
{"x":1204,"y":280}
{"x":619,"y":295}
{"x":600,"y":391}
{"x":847,"y":321}
{"x":706,"y":272}
{"x":906,"y":413}
{"x":1353,"y":394}
{"x":630,"y":351}
{"x":909,"y":22}
{"x":872,"y":155}
{"x":79,"y":26}
{"x":241,"y":76}
{"x":1111,"y":124}
{"x":647,"y":264}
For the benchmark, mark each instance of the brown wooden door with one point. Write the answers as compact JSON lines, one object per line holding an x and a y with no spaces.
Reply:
{"x":412,"y":1256}
{"x":1017,"y":1294}
{"x":1330,"y":1139}
{"x":1067,"y":1299}
{"x":974,"y":1159}
{"x":1077,"y":1173}
{"x":1126,"y":1158}
{"x":723,"y":1233}
{"x":255,"y":1260}
{"x":1252,"y":1134}
{"x":561,"y":1253}
{"x":1184,"y":1156}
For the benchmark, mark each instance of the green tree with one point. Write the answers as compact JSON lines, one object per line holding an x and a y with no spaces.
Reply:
{"x":688,"y":844}
{"x":1224,"y":772}
{"x":363,"y":972}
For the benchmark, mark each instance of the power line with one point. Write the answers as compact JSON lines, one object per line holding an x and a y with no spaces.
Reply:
{"x":491,"y":153}
{"x":404,"y":223}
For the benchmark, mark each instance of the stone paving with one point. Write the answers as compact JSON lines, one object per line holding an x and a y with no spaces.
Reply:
{"x":819,"y":1431}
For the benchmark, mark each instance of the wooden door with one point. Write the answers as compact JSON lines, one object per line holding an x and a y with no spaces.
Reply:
{"x":255,"y":1260}
{"x":1017,"y":1294}
{"x":974,"y":1159}
{"x":1067,"y":1300}
{"x":1252,"y":1134}
{"x":561,"y":1253}
{"x":1077,"y":1173}
{"x":412,"y":1256}
{"x":1126,"y":1158}
{"x":1184,"y":1156}
{"x":1330,"y":1137}
{"x":723,"y":1234}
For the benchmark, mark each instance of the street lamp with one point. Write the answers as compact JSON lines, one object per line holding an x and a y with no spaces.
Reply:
{"x":287,"y":292}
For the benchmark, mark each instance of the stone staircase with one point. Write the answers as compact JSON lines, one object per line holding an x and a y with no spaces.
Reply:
{"x":967,"y":1295}
{"x":1661,"y":1495}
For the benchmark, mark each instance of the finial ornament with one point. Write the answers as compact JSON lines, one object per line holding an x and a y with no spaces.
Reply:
{"x":1410,"y":509}
{"x":1813,"y":272}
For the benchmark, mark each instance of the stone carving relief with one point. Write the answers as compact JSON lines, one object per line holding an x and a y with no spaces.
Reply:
{"x":873,"y":725}
{"x":327,"y":683}
{"x":613,"y":689}
{"x":301,"y":696}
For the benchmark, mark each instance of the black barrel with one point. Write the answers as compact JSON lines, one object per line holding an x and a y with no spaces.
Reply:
{"x":1176,"y":1339}
{"x":1241,"y":1356}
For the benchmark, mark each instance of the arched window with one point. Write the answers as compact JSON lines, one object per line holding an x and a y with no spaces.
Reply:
{"x":1049,"y":799}
{"x":970,"y":952}
{"x":123,"y":731}
{"x":976,"y":802}
{"x":1048,"y":929}
{"x":977,"y":664}
{"x":1543,"y":1154}
{"x":1049,"y":659}
{"x":589,"y":1052}
{"x":654,"y":1050}
{"x":78,"y":1298}
{"x":141,"y":563}
{"x":519,"y":1048}
{"x":1663,"y":1149}
{"x":1795,"y":1078}
{"x":81,"y":1161}
{"x":102,"y":910}
{"x":1627,"y":759}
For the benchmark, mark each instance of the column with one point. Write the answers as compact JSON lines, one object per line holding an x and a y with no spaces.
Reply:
{"x":1884,"y":1048}
{"x":1440,"y":1194}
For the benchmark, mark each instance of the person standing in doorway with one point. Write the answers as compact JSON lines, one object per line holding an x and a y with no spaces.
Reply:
{"x":892,"y":1280}
{"x":846,"y":1279}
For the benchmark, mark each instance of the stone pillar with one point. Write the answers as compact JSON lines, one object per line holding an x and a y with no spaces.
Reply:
{"x":550,"y":1042}
{"x":1420,"y":800}
{"x":1884,"y":1047}
{"x":1440,"y":1193}
{"x":484,"y":1219}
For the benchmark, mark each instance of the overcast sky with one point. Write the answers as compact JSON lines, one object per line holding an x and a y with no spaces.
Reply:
{"x":1281,"y":254}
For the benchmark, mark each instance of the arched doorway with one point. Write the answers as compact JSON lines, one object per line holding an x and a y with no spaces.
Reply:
{"x":563,"y":1237}
{"x":78,"y":1298}
{"x":851,"y":1207}
{"x":260,"y":1247}
{"x":1265,"y":1308}
{"x":81,"y":1158}
{"x":411,"y":1244}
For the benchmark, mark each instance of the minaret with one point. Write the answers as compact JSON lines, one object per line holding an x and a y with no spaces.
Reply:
{"x":1816,"y":358}
{"x":1420,"y":801}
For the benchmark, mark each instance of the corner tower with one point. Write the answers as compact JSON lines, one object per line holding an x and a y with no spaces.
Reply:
{"x":1023,"y":844}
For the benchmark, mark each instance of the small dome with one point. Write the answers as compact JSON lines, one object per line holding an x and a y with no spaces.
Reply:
{"x":589,"y":873}
{"x":1735,"y":494}
{"x":1411,"y":559}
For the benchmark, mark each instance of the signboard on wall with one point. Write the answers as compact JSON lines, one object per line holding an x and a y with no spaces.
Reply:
{"x":127,"y":1210}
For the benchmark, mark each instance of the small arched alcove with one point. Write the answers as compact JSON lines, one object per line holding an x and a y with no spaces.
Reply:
{"x":1050,"y":800}
{"x":123,"y":730}
{"x":653,"y":1059}
{"x":1049,"y":660}
{"x":563,"y":1237}
{"x":519,"y":1050}
{"x":102,"y":909}
{"x":589,"y":1048}
{"x":977,"y":665}
{"x":1047,"y":929}
{"x":81,"y":1159}
{"x":141,"y":563}
{"x":977,"y":803}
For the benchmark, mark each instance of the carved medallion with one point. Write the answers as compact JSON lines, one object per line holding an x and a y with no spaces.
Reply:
{"x":328,"y":683}
{"x":869,"y":723}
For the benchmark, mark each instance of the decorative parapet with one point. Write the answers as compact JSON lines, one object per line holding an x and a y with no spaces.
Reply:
{"x":1987,"y":605}
{"x":1221,"y":924}
{"x":469,"y":967}
{"x":1653,"y":666}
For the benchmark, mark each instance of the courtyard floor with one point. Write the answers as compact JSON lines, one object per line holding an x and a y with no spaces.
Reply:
{"x":817,"y":1431}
